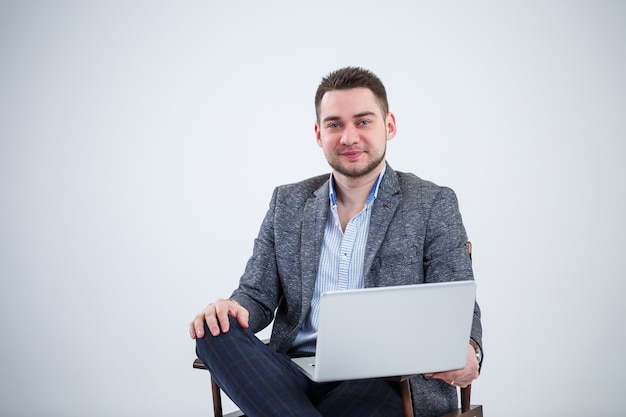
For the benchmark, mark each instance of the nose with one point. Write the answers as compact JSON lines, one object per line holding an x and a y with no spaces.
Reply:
{"x":350,"y":136}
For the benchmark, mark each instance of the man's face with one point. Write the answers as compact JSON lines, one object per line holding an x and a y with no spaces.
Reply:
{"x":353,"y":132}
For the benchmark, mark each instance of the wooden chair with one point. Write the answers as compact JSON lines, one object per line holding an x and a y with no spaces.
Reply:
{"x":466,"y":410}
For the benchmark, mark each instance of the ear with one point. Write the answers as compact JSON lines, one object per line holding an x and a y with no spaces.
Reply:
{"x":390,"y":122}
{"x":318,"y":135}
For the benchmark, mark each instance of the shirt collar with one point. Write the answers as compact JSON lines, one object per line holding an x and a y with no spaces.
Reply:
{"x":373,"y":194}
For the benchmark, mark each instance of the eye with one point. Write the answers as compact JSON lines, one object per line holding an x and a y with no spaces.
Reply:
{"x":333,"y":126}
{"x":364,"y":122}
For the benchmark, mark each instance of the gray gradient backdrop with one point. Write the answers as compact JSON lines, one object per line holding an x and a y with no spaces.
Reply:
{"x":140,"y":142}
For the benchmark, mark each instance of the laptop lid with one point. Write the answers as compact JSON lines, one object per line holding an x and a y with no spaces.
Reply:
{"x":389,"y":331}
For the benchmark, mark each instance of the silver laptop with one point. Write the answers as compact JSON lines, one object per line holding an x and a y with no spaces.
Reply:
{"x":389,"y":331}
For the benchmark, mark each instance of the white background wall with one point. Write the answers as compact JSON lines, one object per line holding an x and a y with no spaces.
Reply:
{"x":140,"y":143}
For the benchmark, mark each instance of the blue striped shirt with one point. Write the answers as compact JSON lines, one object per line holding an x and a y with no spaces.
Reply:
{"x":341,"y":261}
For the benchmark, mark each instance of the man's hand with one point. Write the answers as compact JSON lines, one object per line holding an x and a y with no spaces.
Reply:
{"x":216,"y":316}
{"x":461,"y":377}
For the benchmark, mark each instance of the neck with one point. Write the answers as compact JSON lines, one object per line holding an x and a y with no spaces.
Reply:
{"x":352,"y":192}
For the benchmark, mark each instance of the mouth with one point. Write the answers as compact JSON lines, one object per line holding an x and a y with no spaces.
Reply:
{"x":352,"y":155}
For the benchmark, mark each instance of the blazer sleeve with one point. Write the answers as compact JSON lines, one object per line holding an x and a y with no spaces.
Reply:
{"x":446,"y":257}
{"x":259,"y":287}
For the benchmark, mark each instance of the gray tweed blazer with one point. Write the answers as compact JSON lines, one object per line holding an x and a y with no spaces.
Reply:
{"x":416,"y":235}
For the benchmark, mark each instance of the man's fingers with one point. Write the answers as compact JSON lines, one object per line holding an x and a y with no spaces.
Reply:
{"x":192,"y":330}
{"x":216,"y":315}
{"x":226,"y":308}
{"x":461,"y":378}
{"x":211,"y":319}
{"x":196,"y":327}
{"x":222,"y":311}
{"x":242,"y":317}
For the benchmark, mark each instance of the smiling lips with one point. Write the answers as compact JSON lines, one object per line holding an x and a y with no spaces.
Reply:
{"x":352,"y":154}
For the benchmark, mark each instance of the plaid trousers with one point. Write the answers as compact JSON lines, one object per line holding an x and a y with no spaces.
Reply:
{"x":266,"y":383}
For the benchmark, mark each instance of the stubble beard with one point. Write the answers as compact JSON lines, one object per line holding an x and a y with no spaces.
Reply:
{"x":349,"y":172}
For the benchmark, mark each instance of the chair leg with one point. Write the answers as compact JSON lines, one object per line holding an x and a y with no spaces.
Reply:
{"x":466,"y":394}
{"x":217,"y":399}
{"x":407,"y":400}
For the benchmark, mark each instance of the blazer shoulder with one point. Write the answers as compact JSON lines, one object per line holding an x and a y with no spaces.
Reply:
{"x":411,"y":183}
{"x":302,"y":189}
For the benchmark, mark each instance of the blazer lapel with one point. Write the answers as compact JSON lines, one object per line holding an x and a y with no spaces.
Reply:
{"x":383,"y":209}
{"x":313,"y":224}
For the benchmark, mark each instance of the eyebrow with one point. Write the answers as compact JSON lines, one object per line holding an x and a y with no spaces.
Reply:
{"x":356,"y":116}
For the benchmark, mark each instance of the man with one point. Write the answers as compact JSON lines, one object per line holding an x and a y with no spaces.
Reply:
{"x":364,"y":225}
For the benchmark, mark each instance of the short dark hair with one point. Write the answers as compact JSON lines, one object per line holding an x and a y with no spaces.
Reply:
{"x":352,"y":77}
